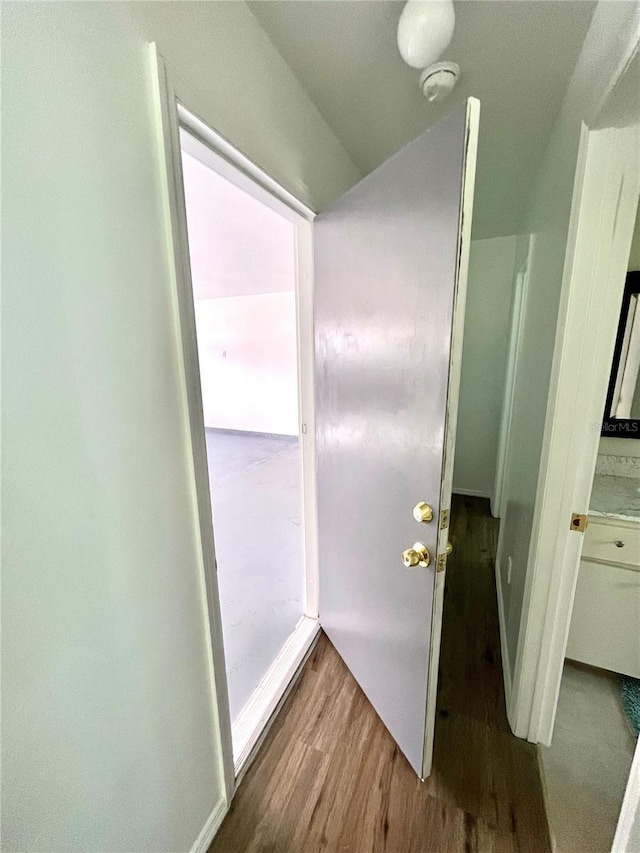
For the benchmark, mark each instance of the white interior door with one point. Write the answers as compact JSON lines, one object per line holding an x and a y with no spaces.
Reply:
{"x":391,"y":259}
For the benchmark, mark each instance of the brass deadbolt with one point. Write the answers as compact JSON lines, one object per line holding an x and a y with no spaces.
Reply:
{"x":416,"y":556}
{"x":422,"y":512}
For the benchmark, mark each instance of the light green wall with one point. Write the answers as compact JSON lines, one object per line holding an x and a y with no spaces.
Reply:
{"x":109,"y":738}
{"x":241,"y":86}
{"x":484,"y":362}
{"x":634,"y":255}
{"x":548,"y":215}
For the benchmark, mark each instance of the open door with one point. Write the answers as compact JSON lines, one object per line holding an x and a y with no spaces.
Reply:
{"x":391,"y":260}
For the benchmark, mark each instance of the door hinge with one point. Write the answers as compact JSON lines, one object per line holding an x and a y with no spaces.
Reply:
{"x":579,"y":522}
{"x":444,"y":519}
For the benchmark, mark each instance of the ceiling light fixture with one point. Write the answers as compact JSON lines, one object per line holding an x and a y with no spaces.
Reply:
{"x":425,"y":30}
{"x":439,"y":80}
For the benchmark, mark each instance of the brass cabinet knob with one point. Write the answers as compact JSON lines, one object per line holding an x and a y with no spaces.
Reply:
{"x":416,"y":556}
{"x":422,"y":512}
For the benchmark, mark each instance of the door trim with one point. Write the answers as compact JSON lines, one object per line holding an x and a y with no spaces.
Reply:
{"x":169,"y":113}
{"x":168,"y":143}
{"x":224,"y":149}
{"x":628,"y":828}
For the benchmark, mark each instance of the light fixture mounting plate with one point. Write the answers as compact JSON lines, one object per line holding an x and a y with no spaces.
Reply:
{"x":439,"y":80}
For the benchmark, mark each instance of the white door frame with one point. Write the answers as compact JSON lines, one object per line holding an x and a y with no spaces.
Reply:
{"x":172,"y":114}
{"x":515,"y":339}
{"x":604,"y":207}
{"x":603,"y":216}
{"x":627,"y":837}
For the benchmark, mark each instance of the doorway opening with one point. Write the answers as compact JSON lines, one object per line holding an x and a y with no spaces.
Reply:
{"x":244,"y":258}
{"x":384,"y":448}
{"x":516,"y":323}
{"x":597,"y":722}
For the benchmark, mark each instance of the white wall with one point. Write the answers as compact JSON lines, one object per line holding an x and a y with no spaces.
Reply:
{"x":634,"y":255}
{"x":484,"y":361}
{"x":238,"y":246}
{"x":548,"y":218}
{"x":248,"y":362}
{"x":109,"y":734}
{"x":243,"y":271}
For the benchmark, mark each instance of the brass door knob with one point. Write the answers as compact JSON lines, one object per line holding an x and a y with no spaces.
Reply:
{"x":422,"y":512}
{"x":416,"y":556}
{"x":449,"y":547}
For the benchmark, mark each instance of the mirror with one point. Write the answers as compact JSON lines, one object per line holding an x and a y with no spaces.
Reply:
{"x":622,"y":410}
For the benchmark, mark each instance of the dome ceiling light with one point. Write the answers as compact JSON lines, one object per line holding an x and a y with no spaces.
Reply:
{"x":425,"y":30}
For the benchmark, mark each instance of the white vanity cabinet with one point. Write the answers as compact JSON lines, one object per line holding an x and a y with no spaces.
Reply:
{"x":605,"y":623}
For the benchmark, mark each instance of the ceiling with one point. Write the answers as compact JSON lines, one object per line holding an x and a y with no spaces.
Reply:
{"x":516,"y":56}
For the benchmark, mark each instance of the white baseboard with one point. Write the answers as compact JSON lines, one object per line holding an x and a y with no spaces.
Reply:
{"x":470,"y":493}
{"x":506,"y":669}
{"x":250,"y":725}
{"x":208,"y":831}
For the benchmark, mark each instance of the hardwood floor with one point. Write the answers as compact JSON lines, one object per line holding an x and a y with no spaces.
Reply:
{"x":330,"y":778}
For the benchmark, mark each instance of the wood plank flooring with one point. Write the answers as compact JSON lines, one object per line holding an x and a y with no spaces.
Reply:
{"x":329,"y":777}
